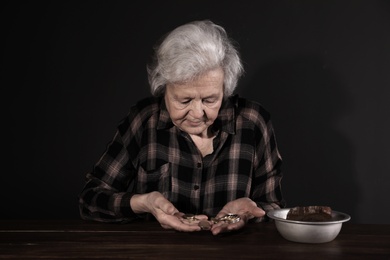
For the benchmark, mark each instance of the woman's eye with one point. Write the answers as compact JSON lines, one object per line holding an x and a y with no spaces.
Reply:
{"x":185,"y":101}
{"x":209,"y":101}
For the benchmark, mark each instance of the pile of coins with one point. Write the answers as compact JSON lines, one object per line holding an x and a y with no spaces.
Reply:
{"x":228,"y":218}
{"x":205,"y":224}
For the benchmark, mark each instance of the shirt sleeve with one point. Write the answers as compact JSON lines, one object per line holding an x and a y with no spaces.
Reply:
{"x":268,"y":175}
{"x":107,"y":192}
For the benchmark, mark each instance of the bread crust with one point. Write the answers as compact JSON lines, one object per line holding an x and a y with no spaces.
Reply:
{"x":310,"y":213}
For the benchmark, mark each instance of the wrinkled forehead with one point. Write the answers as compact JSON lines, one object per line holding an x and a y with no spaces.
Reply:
{"x":210,"y":83}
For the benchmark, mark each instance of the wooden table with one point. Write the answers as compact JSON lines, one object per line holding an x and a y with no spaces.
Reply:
{"x":79,"y":239}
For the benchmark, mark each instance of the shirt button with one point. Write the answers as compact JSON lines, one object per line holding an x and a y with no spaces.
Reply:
{"x":196,"y":187}
{"x":199,"y":165}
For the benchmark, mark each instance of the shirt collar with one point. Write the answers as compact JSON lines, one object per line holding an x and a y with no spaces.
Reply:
{"x":225,"y":120}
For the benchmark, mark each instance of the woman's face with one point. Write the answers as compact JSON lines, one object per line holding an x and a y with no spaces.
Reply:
{"x":193,"y":106}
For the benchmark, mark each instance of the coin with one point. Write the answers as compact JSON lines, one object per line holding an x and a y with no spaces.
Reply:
{"x":189,"y":217}
{"x":230,"y":218}
{"x":204,"y":225}
{"x":214,"y":220}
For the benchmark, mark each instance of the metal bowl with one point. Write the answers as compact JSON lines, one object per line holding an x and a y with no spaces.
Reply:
{"x":308,"y":231}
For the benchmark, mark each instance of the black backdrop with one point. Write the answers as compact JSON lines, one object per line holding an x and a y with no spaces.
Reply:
{"x":71,"y":70}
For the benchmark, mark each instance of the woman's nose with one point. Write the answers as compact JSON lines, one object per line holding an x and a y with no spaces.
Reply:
{"x":197,"y":109}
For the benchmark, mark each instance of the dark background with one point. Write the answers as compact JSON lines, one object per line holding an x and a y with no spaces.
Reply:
{"x":71,"y":70}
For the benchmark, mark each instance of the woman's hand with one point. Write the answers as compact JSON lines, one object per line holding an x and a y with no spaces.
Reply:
{"x":165,"y":212}
{"x":245,"y":208}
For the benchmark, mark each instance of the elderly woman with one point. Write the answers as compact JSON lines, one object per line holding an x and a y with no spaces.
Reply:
{"x":194,"y":155}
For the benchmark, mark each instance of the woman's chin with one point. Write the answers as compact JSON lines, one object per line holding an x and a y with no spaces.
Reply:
{"x":198,"y":130}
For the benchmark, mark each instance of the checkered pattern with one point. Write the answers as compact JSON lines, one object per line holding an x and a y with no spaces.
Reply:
{"x":148,"y":153}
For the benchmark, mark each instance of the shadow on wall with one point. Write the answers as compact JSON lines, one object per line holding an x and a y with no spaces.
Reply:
{"x":306,"y":101}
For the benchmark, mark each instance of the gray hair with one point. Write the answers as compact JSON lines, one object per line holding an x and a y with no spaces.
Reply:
{"x":191,"y":50}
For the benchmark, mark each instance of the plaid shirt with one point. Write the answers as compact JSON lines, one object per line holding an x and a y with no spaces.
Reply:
{"x":148,"y":153}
